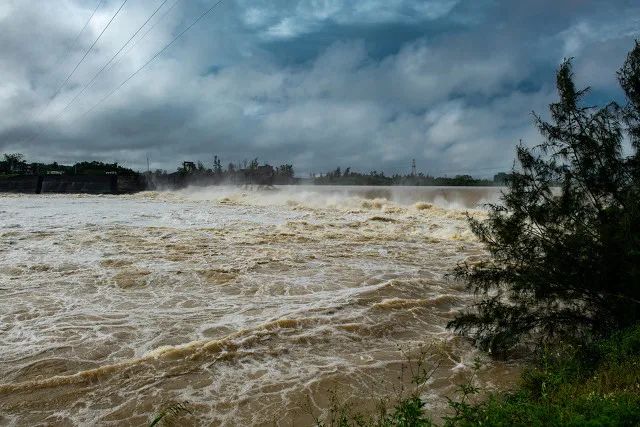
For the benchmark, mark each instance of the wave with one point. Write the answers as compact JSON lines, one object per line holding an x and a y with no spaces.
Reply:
{"x":442,"y":301}
{"x":194,"y":350}
{"x":345,"y":197}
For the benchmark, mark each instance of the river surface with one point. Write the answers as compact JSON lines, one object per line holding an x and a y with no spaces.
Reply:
{"x":252,"y":307}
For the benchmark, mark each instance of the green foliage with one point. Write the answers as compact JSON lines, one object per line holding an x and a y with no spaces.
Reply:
{"x":564,"y":262}
{"x":408,"y":410}
{"x":596,"y":384}
{"x":592,"y":384}
{"x":217,"y":165}
{"x":337,"y":177}
{"x":170,"y":414}
{"x":16,"y":164}
{"x":284,"y":174}
{"x":97,"y":168}
{"x":12,"y":163}
{"x":253,"y":164}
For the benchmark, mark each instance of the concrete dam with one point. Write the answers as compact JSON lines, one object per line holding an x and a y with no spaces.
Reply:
{"x":72,"y":184}
{"x":131,"y":182}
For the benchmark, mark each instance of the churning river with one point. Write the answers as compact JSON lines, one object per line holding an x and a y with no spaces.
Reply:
{"x":253,"y":307}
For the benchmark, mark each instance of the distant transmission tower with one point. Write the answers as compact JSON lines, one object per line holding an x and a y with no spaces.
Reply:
{"x":413,"y":167}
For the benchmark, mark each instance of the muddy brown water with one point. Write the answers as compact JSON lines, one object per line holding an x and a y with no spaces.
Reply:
{"x":253,"y":307}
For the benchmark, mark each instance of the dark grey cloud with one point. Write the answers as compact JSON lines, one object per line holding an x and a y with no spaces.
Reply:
{"x":320,"y":83}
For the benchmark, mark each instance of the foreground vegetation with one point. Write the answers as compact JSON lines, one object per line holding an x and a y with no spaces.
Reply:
{"x":564,"y":262}
{"x":596,"y":384}
{"x":562,"y":277}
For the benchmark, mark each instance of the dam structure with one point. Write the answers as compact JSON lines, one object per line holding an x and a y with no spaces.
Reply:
{"x":96,"y":180}
{"x":73,"y":184}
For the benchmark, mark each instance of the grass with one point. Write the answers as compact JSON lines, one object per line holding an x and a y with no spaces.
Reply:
{"x":170,"y":414}
{"x":410,"y":410}
{"x":596,"y":384}
{"x":589,"y":385}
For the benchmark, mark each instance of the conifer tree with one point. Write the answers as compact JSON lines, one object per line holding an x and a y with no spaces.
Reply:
{"x":564,"y":242}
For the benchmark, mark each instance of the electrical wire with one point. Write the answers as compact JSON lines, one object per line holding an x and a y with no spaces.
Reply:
{"x":57,"y":92}
{"x":157,"y":54}
{"x":86,"y":53}
{"x":93,"y":79}
{"x":144,"y":35}
{"x":73,"y":45}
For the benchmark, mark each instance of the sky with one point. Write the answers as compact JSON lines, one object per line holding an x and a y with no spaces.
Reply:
{"x":367,"y":84}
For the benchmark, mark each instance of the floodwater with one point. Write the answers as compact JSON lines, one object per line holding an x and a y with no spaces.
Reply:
{"x":251,"y":307}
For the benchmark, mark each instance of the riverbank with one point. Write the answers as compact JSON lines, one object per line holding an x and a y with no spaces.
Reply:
{"x":593,"y":384}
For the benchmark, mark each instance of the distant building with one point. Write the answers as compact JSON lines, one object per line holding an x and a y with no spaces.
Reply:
{"x":188,"y":167}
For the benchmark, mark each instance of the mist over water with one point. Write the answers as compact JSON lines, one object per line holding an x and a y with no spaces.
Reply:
{"x":247,"y":304}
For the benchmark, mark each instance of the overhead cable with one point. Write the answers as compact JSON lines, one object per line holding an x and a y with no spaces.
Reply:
{"x":93,"y":79}
{"x":157,"y":54}
{"x":87,"y":52}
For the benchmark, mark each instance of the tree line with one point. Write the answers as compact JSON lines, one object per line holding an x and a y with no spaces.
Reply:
{"x":15,"y":164}
{"x":349,"y":177}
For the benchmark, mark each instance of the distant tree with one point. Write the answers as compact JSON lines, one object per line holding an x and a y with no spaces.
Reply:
{"x":564,"y":261}
{"x":12,"y":162}
{"x":500,"y":178}
{"x":217,"y":165}
{"x":285,"y":171}
{"x":14,"y":157}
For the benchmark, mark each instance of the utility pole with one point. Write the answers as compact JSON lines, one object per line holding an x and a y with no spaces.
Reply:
{"x":148,"y":169}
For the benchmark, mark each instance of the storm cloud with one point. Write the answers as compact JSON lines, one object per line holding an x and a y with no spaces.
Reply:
{"x":318,"y":83}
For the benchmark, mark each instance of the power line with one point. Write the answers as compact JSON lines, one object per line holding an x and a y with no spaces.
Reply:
{"x":87,"y":52}
{"x":89,"y":20}
{"x":114,"y":56}
{"x":75,"y":40}
{"x":202,"y":15}
{"x":38,"y":133}
{"x":145,"y":34}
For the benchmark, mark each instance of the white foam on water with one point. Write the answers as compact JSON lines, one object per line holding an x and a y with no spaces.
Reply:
{"x":241,"y":302}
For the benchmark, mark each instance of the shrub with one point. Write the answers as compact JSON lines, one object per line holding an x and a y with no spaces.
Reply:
{"x":597,"y":384}
{"x":564,"y":243}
